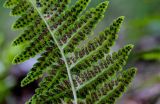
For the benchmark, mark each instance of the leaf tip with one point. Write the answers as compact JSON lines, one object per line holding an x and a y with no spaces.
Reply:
{"x":131,"y":46}
{"x":16,"y":60}
{"x":13,"y":43}
{"x":122,"y":17}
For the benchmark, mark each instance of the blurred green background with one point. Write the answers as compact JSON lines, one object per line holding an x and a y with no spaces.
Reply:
{"x":141,"y":28}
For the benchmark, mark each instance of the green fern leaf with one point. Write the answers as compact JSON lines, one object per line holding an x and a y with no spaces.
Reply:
{"x":71,"y":75}
{"x":43,"y":39}
{"x":11,"y":3}
{"x":20,"y":8}
{"x":125,"y":80}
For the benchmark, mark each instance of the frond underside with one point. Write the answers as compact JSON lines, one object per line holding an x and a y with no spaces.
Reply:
{"x":54,"y":30}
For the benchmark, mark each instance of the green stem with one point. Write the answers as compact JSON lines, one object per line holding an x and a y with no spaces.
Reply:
{"x":61,"y":50}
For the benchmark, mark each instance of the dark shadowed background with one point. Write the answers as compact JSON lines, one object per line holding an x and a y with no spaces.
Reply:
{"x":141,"y":28}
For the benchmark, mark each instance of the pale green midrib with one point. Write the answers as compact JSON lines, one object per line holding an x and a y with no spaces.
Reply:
{"x":62,"y":53}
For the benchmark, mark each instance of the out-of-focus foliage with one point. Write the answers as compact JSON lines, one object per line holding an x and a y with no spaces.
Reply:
{"x":6,"y":54}
{"x":153,"y":54}
{"x":142,"y":27}
{"x":143,"y":17}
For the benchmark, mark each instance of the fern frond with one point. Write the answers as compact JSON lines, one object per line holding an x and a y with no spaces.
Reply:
{"x":111,"y":97}
{"x":104,"y":74}
{"x":91,"y":53}
{"x":38,"y":45}
{"x":120,"y":56}
{"x":104,"y":64}
{"x":26,"y":19}
{"x":39,"y":27}
{"x":40,"y":42}
{"x":11,"y":3}
{"x":86,"y":29}
{"x":101,"y":93}
{"x":20,"y":8}
{"x":70,"y":75}
{"x":42,"y":64}
{"x":43,"y":61}
{"x":55,"y":74}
